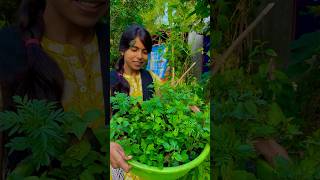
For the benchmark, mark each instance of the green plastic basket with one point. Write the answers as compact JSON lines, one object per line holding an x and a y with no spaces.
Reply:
{"x":146,"y":172}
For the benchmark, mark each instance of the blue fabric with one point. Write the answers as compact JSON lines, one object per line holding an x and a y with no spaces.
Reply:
{"x":156,"y":62}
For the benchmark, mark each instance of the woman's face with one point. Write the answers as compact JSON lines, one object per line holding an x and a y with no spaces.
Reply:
{"x":80,"y":13}
{"x":136,"y":56}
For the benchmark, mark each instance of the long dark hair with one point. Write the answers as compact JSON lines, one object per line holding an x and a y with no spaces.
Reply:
{"x":127,"y":37}
{"x":44,"y":79}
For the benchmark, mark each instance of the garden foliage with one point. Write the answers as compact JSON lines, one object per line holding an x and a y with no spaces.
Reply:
{"x":162,"y":131}
{"x":259,"y":100}
{"x":58,"y":144}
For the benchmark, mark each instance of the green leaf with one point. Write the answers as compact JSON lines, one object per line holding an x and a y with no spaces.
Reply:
{"x":92,"y":115}
{"x":78,"y":151}
{"x":262,"y":130}
{"x":150,"y":148}
{"x":177,"y":156}
{"x":245,"y":150}
{"x":136,"y":148}
{"x":275,"y":115}
{"x":78,"y":128}
{"x":24,"y":168}
{"x":223,"y":22}
{"x":184,"y":156}
{"x":271,"y":52}
{"x":18,"y":144}
{"x":265,"y":171}
{"x":216,"y":38}
{"x":251,"y":107}
{"x":96,"y":169}
{"x":239,"y":111}
{"x":10,"y":120}
{"x":101,"y":135}
{"x":86,"y":175}
{"x":31,"y":178}
{"x":306,"y":46}
{"x":242,"y":175}
{"x":167,"y":146}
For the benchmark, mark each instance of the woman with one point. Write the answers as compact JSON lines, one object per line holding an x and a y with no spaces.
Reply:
{"x":130,"y":77}
{"x":56,"y":52}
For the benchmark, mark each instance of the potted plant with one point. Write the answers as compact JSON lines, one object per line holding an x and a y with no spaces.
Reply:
{"x":164,"y":136}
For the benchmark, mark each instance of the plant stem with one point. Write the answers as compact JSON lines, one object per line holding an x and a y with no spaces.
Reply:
{"x":185,"y":73}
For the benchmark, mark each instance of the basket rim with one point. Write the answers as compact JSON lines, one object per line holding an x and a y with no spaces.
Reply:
{"x":176,"y":169}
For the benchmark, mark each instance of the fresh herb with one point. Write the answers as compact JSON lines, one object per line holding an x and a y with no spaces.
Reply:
{"x":162,"y":131}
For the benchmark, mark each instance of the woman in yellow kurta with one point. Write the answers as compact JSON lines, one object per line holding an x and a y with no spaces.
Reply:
{"x":82,"y":75}
{"x":130,"y":77}
{"x":54,"y":53}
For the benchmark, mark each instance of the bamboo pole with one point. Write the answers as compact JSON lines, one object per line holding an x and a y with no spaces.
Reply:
{"x":220,"y":61}
{"x":185,"y":73}
{"x":173,"y":73}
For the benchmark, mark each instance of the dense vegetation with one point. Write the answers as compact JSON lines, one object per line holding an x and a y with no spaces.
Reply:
{"x":162,"y":131}
{"x":255,"y":97}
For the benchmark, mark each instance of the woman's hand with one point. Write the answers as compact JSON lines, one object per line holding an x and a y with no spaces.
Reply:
{"x":194,"y":109}
{"x":269,"y":149}
{"x":118,"y":158}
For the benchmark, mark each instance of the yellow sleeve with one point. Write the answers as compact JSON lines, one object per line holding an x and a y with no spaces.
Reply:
{"x":156,"y":78}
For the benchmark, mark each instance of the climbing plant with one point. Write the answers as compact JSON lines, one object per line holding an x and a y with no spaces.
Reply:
{"x":122,"y":14}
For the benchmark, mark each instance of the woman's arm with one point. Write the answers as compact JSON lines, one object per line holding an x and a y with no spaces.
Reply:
{"x":117,"y":155}
{"x":270,"y":149}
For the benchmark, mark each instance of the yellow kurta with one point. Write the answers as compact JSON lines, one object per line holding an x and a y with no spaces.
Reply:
{"x":135,"y":83}
{"x":82,"y":73}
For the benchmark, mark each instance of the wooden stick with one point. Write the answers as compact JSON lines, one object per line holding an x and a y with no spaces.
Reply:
{"x":220,"y":61}
{"x":172,"y":80}
{"x":173,"y":73}
{"x":185,"y":73}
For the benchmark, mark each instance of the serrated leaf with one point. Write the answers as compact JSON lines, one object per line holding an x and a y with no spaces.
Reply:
{"x":18,"y":144}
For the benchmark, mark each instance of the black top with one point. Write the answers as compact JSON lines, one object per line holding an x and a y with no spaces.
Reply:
{"x":119,"y":84}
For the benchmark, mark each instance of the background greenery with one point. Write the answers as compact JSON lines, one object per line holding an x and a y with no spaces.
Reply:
{"x":254,"y":96}
{"x":183,"y":16}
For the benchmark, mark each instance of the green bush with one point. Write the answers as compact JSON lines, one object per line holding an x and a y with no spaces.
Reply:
{"x":49,"y":134}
